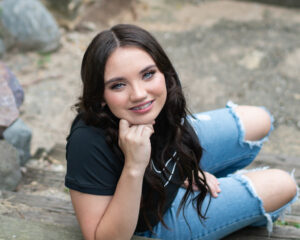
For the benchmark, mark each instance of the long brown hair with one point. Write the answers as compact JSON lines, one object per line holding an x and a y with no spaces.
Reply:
{"x":172,"y":131}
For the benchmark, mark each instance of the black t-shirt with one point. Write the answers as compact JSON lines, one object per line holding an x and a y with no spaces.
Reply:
{"x":94,"y":169}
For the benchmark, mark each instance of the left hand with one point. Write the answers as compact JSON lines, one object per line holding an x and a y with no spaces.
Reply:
{"x":212,"y":182}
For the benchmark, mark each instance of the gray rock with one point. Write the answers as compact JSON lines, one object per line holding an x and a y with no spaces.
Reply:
{"x":19,"y":135}
{"x":6,"y":39}
{"x":10,"y":173}
{"x":2,"y":48}
{"x":30,"y":24}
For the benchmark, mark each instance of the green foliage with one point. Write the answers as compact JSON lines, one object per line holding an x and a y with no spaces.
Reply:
{"x":66,"y":190}
{"x":43,"y":60}
{"x":284,"y":223}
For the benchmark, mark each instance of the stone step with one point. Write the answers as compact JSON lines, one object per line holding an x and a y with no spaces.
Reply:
{"x":254,"y":233}
{"x":24,"y":229}
{"x":37,"y":179}
{"x":19,"y":229}
{"x":45,"y":209}
{"x":25,"y":216}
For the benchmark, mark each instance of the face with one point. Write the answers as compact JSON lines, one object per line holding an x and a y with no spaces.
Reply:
{"x":135,"y":89}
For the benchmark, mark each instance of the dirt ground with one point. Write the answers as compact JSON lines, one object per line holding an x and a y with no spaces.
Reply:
{"x":223,"y":50}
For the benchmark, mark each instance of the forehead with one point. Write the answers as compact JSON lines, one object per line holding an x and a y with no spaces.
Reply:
{"x":126,"y":60}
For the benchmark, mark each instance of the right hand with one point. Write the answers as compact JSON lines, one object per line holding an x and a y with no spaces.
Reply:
{"x":135,"y":144}
{"x":212,"y":182}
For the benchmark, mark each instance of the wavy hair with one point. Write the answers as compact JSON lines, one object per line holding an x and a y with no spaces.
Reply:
{"x":171,"y":132}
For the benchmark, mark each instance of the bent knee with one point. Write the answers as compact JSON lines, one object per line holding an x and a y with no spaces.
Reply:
{"x":288,"y":184}
{"x":256,"y":121}
{"x":275,"y":187}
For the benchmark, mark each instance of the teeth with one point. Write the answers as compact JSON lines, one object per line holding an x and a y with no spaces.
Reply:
{"x":142,"y":107}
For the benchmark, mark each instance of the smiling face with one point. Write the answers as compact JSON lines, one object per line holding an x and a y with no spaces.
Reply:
{"x":135,"y":89}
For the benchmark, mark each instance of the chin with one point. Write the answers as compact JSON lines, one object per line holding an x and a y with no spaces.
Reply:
{"x":141,"y":121}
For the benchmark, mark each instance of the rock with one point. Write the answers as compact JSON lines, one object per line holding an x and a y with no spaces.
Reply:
{"x":86,"y":26}
{"x":10,"y":173}
{"x":6,"y":39}
{"x":67,"y":8}
{"x":252,"y":60}
{"x":13,"y":83}
{"x":19,"y":135}
{"x":30,"y":24}
{"x":2,"y":48}
{"x":290,"y":66}
{"x":8,"y":108}
{"x":66,"y":12}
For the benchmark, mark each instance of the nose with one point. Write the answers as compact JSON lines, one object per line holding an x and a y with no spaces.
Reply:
{"x":138,"y":92}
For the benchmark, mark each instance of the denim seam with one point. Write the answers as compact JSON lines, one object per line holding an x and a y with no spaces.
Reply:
{"x":249,"y":187}
{"x":245,"y":181}
{"x":225,"y":226}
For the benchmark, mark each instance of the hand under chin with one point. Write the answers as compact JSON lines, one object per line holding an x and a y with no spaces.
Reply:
{"x":131,"y":123}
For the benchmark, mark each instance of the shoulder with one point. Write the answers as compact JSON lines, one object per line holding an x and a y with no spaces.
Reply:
{"x":90,"y":161}
{"x":85,"y":141}
{"x":80,"y":131}
{"x":86,"y":138}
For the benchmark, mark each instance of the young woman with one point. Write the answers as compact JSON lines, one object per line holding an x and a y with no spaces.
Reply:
{"x":134,"y":160}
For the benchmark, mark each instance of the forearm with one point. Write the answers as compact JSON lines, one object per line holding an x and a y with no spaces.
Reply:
{"x":120,"y":218}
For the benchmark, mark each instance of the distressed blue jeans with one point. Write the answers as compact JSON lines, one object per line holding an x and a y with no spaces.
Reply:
{"x":225,"y":151}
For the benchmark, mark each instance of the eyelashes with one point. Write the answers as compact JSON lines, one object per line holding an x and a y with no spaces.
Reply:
{"x":146,"y":76}
{"x":149,"y":74}
{"x":116,"y":86}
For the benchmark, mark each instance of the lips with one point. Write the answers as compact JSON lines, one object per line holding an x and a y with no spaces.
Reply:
{"x":143,"y":107}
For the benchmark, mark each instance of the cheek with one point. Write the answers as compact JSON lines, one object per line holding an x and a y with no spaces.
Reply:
{"x":160,"y":87}
{"x":113,"y":100}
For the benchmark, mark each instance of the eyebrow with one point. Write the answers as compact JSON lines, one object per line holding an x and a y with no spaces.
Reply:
{"x":116,"y":79}
{"x":147,"y":68}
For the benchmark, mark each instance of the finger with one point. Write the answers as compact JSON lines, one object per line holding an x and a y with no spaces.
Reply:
{"x":213,"y":187}
{"x":216,"y":184}
{"x":132,"y":132}
{"x":139,"y":130}
{"x":123,"y":127}
{"x":148,"y":129}
{"x":213,"y":191}
{"x":217,"y":187}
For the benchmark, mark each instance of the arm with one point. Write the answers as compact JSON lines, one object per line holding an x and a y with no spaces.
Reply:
{"x":115,"y":217}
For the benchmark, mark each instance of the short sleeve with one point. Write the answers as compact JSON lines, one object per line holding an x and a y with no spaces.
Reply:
{"x":91,"y":166}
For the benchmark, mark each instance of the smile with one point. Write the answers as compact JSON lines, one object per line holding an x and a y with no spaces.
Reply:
{"x":143,"y":107}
